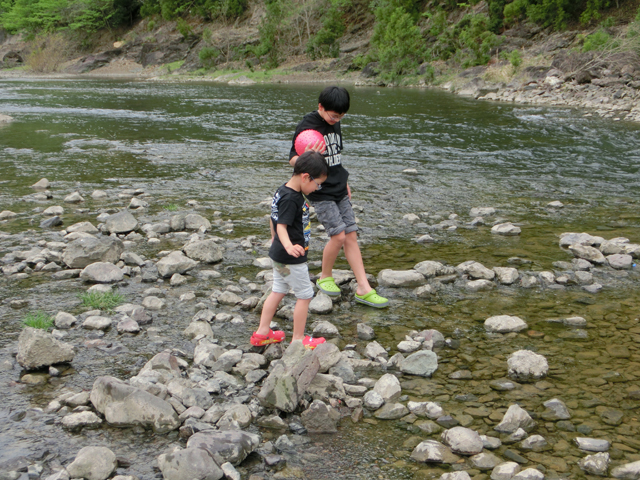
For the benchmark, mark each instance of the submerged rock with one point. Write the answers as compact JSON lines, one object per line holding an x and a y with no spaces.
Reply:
{"x":93,"y":463}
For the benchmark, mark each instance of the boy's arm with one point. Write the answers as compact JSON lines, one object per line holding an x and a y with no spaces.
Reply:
{"x":273,"y":232}
{"x":293,"y":250}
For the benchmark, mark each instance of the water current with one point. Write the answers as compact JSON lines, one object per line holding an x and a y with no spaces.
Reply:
{"x":226,"y":147}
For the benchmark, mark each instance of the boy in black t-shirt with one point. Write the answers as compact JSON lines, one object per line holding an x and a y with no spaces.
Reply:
{"x":290,"y":234}
{"x":333,"y":203}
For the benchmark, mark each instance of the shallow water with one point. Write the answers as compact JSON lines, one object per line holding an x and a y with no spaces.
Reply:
{"x":226,"y":147}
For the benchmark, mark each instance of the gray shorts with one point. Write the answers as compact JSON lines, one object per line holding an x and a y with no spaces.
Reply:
{"x":292,"y":277}
{"x":336,"y":217}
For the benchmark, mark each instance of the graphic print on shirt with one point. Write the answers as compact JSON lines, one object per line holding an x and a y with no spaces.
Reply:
{"x":274,"y":206}
{"x":306,"y":225}
{"x":332,"y":153}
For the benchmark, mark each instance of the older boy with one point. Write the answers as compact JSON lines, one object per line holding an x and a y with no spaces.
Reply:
{"x":333,"y":202}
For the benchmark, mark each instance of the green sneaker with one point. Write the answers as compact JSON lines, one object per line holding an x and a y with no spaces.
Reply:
{"x":372,"y":299}
{"x":328,"y":286}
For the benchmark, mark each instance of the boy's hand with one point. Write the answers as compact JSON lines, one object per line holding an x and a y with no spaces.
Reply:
{"x":319,"y":147}
{"x":295,"y":250}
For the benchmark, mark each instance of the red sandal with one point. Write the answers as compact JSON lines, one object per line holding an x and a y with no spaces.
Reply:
{"x":262,"y":340}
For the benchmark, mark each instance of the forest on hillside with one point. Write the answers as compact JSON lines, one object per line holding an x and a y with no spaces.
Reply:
{"x":405,"y":33}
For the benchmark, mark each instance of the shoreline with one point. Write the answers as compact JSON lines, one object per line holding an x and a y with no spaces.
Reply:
{"x":610,"y":98}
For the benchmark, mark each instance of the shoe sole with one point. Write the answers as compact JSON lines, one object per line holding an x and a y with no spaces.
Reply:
{"x":266,"y":342}
{"x":371,"y":304}
{"x":327,"y":292}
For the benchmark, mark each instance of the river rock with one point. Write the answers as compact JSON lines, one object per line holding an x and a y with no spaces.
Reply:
{"x":76,"y":421}
{"x":432,"y":451}
{"x":423,"y":363}
{"x":83,"y":227}
{"x":592,"y":444}
{"x":128,"y":325}
{"x":93,"y":463}
{"x":121,"y":222}
{"x":430,"y":268}
{"x":504,"y":324}
{"x":320,"y":418}
{"x":175,"y":262}
{"x":426,"y":409}
{"x":87,"y":250}
{"x":505,"y":471}
{"x":321,"y":304}
{"x":391,"y":411}
{"x":620,"y":261}
{"x":514,"y":418}
{"x":613,"y":246}
{"x":231,"y":446}
{"x":485,"y":461}
{"x":64,"y":320}
{"x":193,"y":221}
{"x":325,"y":329}
{"x":586,"y":252}
{"x":482,"y":211}
{"x":51,"y":211}
{"x":628,"y":471}
{"x":374,"y":350}
{"x":189,"y":463}
{"x":373,"y":400}
{"x":41,"y":184}
{"x":463,"y":441}
{"x":365,"y":332}
{"x":198,"y":328}
{"x":52,"y":222}
{"x":96,"y":322}
{"x":525,"y":366}
{"x":567,"y":239}
{"x":476,"y":270}
{"x":153,"y":303}
{"x":101,"y":272}
{"x":123,"y":405}
{"x":207,"y":251}
{"x":507,"y":229}
{"x":327,"y":355}
{"x":597,"y":464}
{"x":75,"y":197}
{"x":229,"y":298}
{"x":37,"y":348}
{"x":388,"y":387}
{"x":556,"y":410}
{"x":400,"y":278}
{"x":506,"y":275}
{"x":462,"y":475}
{"x":7,"y":214}
{"x":137,"y":203}
{"x":529,"y":474}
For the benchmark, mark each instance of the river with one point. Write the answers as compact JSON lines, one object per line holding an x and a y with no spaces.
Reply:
{"x":226,"y":147}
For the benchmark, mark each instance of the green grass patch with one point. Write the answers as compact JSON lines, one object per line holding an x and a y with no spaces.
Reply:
{"x":172,"y":207}
{"x":38,"y":319}
{"x":174,"y":66}
{"x":102,"y":300}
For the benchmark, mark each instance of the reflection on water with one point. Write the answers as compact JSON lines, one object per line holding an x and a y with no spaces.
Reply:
{"x":226,"y":147}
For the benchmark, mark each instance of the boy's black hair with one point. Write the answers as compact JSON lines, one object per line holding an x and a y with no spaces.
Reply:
{"x":335,"y":99}
{"x":312,"y":163}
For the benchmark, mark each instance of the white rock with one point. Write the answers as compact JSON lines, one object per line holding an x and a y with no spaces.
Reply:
{"x":525,"y":365}
{"x":504,"y":324}
{"x":507,"y":229}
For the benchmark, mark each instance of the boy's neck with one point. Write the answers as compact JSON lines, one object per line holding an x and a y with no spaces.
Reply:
{"x":295,"y":183}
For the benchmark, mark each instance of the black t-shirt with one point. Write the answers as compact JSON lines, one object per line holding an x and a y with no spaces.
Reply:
{"x":335,"y":186}
{"x":291,"y":209}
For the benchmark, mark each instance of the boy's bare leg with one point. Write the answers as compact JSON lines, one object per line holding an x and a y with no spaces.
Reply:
{"x":268,"y":311}
{"x":330,"y":254}
{"x":354,"y":257}
{"x":300,"y":313}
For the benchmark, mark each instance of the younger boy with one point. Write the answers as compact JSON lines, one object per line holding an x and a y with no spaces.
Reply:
{"x":290,"y":235}
{"x":333,"y":202}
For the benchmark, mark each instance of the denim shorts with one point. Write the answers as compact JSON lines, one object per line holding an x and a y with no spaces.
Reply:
{"x":292,"y":277}
{"x":336,"y":217}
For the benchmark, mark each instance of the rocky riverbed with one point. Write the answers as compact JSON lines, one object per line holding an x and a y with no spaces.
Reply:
{"x":165,"y":385}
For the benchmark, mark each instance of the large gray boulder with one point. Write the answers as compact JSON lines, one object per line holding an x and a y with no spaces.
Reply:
{"x":388,"y":387}
{"x":400,"y":278}
{"x":38,"y":348}
{"x":175,"y":262}
{"x":231,"y":446}
{"x":189,"y":464}
{"x":101,"y":272}
{"x":87,"y":250}
{"x":476,"y":270}
{"x":430,"y":268}
{"x":586,"y":252}
{"x":93,"y":463}
{"x":423,"y":363}
{"x":432,"y":451}
{"x":206,"y":251}
{"x":123,"y":405}
{"x":121,"y":222}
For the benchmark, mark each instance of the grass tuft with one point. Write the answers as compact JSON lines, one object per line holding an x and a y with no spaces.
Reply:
{"x":172,"y":207}
{"x":38,"y":319}
{"x":102,"y":300}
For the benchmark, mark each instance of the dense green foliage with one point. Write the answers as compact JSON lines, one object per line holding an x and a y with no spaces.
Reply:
{"x":39,"y":320}
{"x":325,"y":42}
{"x":206,"y":9}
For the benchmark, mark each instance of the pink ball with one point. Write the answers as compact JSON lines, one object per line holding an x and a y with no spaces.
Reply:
{"x":308,"y":137}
